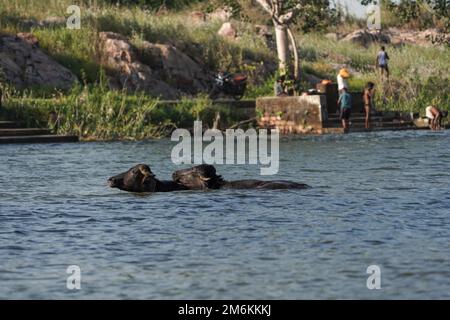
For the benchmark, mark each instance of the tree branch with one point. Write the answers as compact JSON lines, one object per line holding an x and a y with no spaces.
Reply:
{"x":266,"y":5}
{"x":287,"y":17}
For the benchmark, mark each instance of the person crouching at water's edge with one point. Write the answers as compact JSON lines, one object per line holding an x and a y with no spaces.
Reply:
{"x":345,"y":103}
{"x":435,"y":115}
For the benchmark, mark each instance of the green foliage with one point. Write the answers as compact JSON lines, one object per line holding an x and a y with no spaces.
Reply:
{"x":419,"y":76}
{"x":74,"y":49}
{"x":95,"y":112}
{"x":420,"y":13}
{"x":316,"y":15}
{"x":154,"y":4}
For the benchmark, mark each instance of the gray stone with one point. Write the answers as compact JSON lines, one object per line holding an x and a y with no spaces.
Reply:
{"x":227,"y":31}
{"x":366,"y":38}
{"x":221,"y":14}
{"x":176,"y":68}
{"x":25,"y":65}
{"x":119,"y":55}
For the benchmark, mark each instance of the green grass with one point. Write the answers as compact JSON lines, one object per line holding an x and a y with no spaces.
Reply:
{"x":96,"y":113}
{"x":420,"y":76}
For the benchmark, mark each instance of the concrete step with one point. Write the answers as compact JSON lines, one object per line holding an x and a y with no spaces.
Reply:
{"x":354,"y":130}
{"x":38,"y":139}
{"x":8,"y":124}
{"x":23,"y":132}
{"x":363,"y":120}
{"x":372,"y":124}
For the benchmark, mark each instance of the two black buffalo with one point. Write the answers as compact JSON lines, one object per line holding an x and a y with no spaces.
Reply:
{"x":204,"y":177}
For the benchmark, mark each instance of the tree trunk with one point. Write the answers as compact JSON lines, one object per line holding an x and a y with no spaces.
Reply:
{"x":295,"y":52}
{"x":282,"y":47}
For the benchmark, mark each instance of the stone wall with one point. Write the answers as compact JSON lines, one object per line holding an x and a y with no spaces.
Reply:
{"x":293,"y":115}
{"x":332,"y":96}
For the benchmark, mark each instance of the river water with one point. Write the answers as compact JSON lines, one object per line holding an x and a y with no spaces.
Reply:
{"x":377,"y":199}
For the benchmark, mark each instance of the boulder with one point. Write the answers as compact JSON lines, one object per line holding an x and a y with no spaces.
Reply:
{"x":366,"y":38}
{"x":118,"y":55}
{"x":25,"y":65}
{"x":29,"y":38}
{"x":227,"y":31}
{"x":221,"y":14}
{"x":425,"y":38}
{"x":398,"y":37}
{"x":175,"y":67}
{"x":197,"y":17}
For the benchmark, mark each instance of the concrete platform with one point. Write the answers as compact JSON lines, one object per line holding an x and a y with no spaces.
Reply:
{"x":12,"y":132}
{"x":8,"y":124}
{"x":24,"y":132}
{"x":311,"y":115}
{"x":38,"y":139}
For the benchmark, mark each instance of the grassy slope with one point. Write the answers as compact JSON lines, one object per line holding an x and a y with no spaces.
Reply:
{"x":419,"y":75}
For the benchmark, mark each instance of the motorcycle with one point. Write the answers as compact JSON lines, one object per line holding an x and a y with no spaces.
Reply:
{"x":230,"y":84}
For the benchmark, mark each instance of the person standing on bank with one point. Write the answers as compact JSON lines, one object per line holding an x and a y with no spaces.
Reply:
{"x":368,"y":101}
{"x":345,"y":105}
{"x":342,"y":80}
{"x":382,"y":63}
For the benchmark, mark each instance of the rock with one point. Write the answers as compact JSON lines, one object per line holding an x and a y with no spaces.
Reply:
{"x":366,"y":38}
{"x":223,"y":14}
{"x":176,"y":68}
{"x":398,"y":37}
{"x":25,"y":65}
{"x":29,"y":38}
{"x":197,"y":17}
{"x":425,"y":38}
{"x":116,"y":48}
{"x":227,"y":31}
{"x":120,"y":56}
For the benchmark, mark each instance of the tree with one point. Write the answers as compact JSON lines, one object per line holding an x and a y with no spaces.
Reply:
{"x":408,"y":10}
{"x":282,"y":13}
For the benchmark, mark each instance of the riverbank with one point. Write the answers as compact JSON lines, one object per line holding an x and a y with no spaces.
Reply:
{"x":97,"y":113}
{"x":102,"y":106}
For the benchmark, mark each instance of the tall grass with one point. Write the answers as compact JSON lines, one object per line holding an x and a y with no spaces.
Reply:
{"x":420,"y":76}
{"x":97,"y":113}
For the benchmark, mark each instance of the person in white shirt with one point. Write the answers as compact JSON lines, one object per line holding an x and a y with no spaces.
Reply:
{"x":342,"y":80}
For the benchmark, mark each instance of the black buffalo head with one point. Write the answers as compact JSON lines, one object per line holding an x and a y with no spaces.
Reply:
{"x":140,"y":178}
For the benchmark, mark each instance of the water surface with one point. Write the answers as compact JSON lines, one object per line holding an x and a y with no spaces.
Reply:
{"x":378,"y":199}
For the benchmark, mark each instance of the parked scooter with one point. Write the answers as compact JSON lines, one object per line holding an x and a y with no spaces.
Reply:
{"x":230,"y":84}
